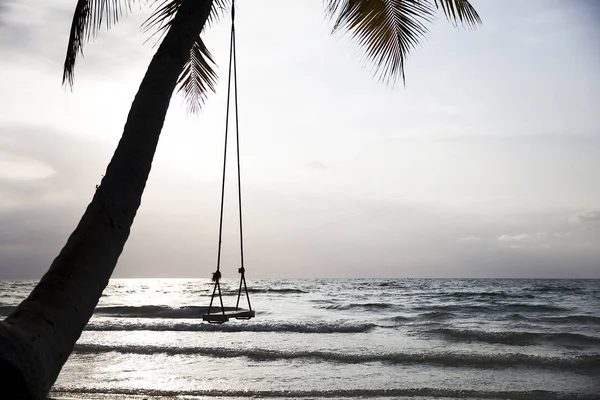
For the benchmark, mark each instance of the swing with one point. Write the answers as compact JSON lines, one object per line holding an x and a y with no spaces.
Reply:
{"x":222,"y":316}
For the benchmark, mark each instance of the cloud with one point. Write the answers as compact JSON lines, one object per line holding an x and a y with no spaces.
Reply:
{"x":470,"y":239}
{"x":522,"y":237}
{"x":562,"y":234}
{"x":316,"y":165}
{"x":513,"y":238}
{"x":35,"y":32}
{"x":3,"y":10}
{"x":578,"y":243}
{"x":585,"y":217}
{"x":48,"y":166}
{"x":41,"y":205}
{"x":524,"y":240}
{"x":20,"y":168}
{"x":20,"y":24}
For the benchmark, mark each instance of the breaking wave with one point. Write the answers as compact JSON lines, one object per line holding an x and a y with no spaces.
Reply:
{"x":401,"y":319}
{"x":550,"y":288}
{"x":590,"y":363}
{"x":152,"y":311}
{"x":422,"y":392}
{"x":493,"y":308}
{"x":566,"y":319}
{"x":246,"y":327}
{"x":361,"y":306}
{"x":436,"y":316}
{"x":276,"y":290}
{"x":487,"y":295}
{"x":517,"y":338}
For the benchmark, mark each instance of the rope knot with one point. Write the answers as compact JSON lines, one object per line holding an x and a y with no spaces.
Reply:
{"x":216,"y":276}
{"x":241,"y":270}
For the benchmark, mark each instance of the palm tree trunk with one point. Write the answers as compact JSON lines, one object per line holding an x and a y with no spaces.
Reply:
{"x":38,"y":337}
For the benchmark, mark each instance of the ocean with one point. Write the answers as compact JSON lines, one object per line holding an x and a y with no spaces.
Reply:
{"x":338,"y":339}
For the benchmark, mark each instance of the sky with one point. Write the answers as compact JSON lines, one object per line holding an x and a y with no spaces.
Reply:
{"x":486,"y":163}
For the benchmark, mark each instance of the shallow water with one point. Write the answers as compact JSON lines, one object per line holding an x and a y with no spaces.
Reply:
{"x":368,"y":338}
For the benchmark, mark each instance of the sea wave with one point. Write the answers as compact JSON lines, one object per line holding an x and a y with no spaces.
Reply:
{"x":401,"y":319}
{"x":550,"y":288}
{"x":569,"y":319}
{"x":531,"y":307}
{"x":362,"y":306}
{"x":518,"y":338}
{"x":486,"y":295}
{"x":154,"y":311}
{"x":436,"y":316}
{"x":589,"y":363}
{"x":565,"y":319}
{"x":245,"y":327}
{"x":433,"y":316}
{"x":494,"y":307}
{"x":454,"y":308}
{"x":392,"y":284}
{"x":422,"y":392}
{"x":276,"y":290}
{"x":233,"y":291}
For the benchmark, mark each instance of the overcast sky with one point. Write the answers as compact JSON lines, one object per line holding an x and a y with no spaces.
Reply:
{"x":487,"y":164}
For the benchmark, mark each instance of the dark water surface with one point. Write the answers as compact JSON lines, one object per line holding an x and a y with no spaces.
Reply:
{"x":367,"y":338}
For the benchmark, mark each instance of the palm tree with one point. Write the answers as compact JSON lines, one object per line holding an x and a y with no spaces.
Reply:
{"x":38,"y":337}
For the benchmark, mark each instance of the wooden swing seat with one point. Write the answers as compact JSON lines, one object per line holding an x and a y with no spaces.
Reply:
{"x":221,"y":317}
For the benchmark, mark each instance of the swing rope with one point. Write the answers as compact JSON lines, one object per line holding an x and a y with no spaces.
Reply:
{"x":216,"y":276}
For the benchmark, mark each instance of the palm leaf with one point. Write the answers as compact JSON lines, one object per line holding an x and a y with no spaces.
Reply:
{"x":459,"y":11}
{"x":88,"y":18}
{"x":389,"y":29}
{"x":198,"y":77}
{"x":386,"y":29}
{"x":161,"y":18}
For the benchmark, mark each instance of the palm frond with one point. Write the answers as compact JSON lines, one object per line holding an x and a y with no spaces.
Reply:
{"x":386,"y":29}
{"x":198,"y":77}
{"x":88,"y":19}
{"x":161,"y":18}
{"x":220,"y":7}
{"x":459,"y":11}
